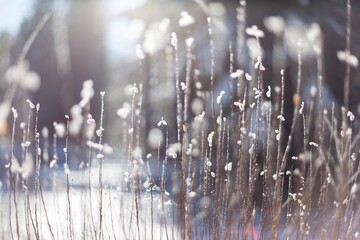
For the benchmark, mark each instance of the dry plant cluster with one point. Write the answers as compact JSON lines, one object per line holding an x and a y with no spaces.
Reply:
{"x":238,"y":171}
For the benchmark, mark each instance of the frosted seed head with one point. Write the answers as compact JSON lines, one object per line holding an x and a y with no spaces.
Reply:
{"x":281,"y":118}
{"x":313,"y":91}
{"x":197,"y":106}
{"x":192,"y":194}
{"x":99,"y":132}
{"x":45,"y":132}
{"x":173,"y":149}
{"x":188,"y":182}
{"x":254,"y":32}
{"x":75,"y":111}
{"x":189,"y":41}
{"x":66,"y":169}
{"x":218,"y":99}
{"x":28,"y":166}
{"x":139,"y":52}
{"x":248,"y":77}
{"x":183,"y":86}
{"x":254,"y":49}
{"x":297,"y":172}
{"x":186,"y":19}
{"x":238,"y":73}
{"x":31,"y":105}
{"x":347,"y":57}
{"x":31,"y":81}
{"x":278,"y":137}
{"x":275,"y":24}
{"x":75,"y":125}
{"x":228,"y":167}
{"x":155,"y":138}
{"x":90,"y":119}
{"x":240,"y":105}
{"x":15,"y":166}
{"x":124,"y":111}
{"x":354,"y":189}
{"x":15,"y":114}
{"x":107,"y":149}
{"x":60,"y":129}
{"x":173,"y":40}
{"x":134,"y":89}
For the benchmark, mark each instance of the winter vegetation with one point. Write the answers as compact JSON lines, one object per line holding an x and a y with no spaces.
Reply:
{"x":211,"y":139}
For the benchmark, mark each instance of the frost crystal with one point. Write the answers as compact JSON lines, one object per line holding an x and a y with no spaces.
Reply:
{"x":313,"y":144}
{"x":301,"y":110}
{"x":162,"y":122}
{"x":210,"y":138}
{"x":268,"y":93}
